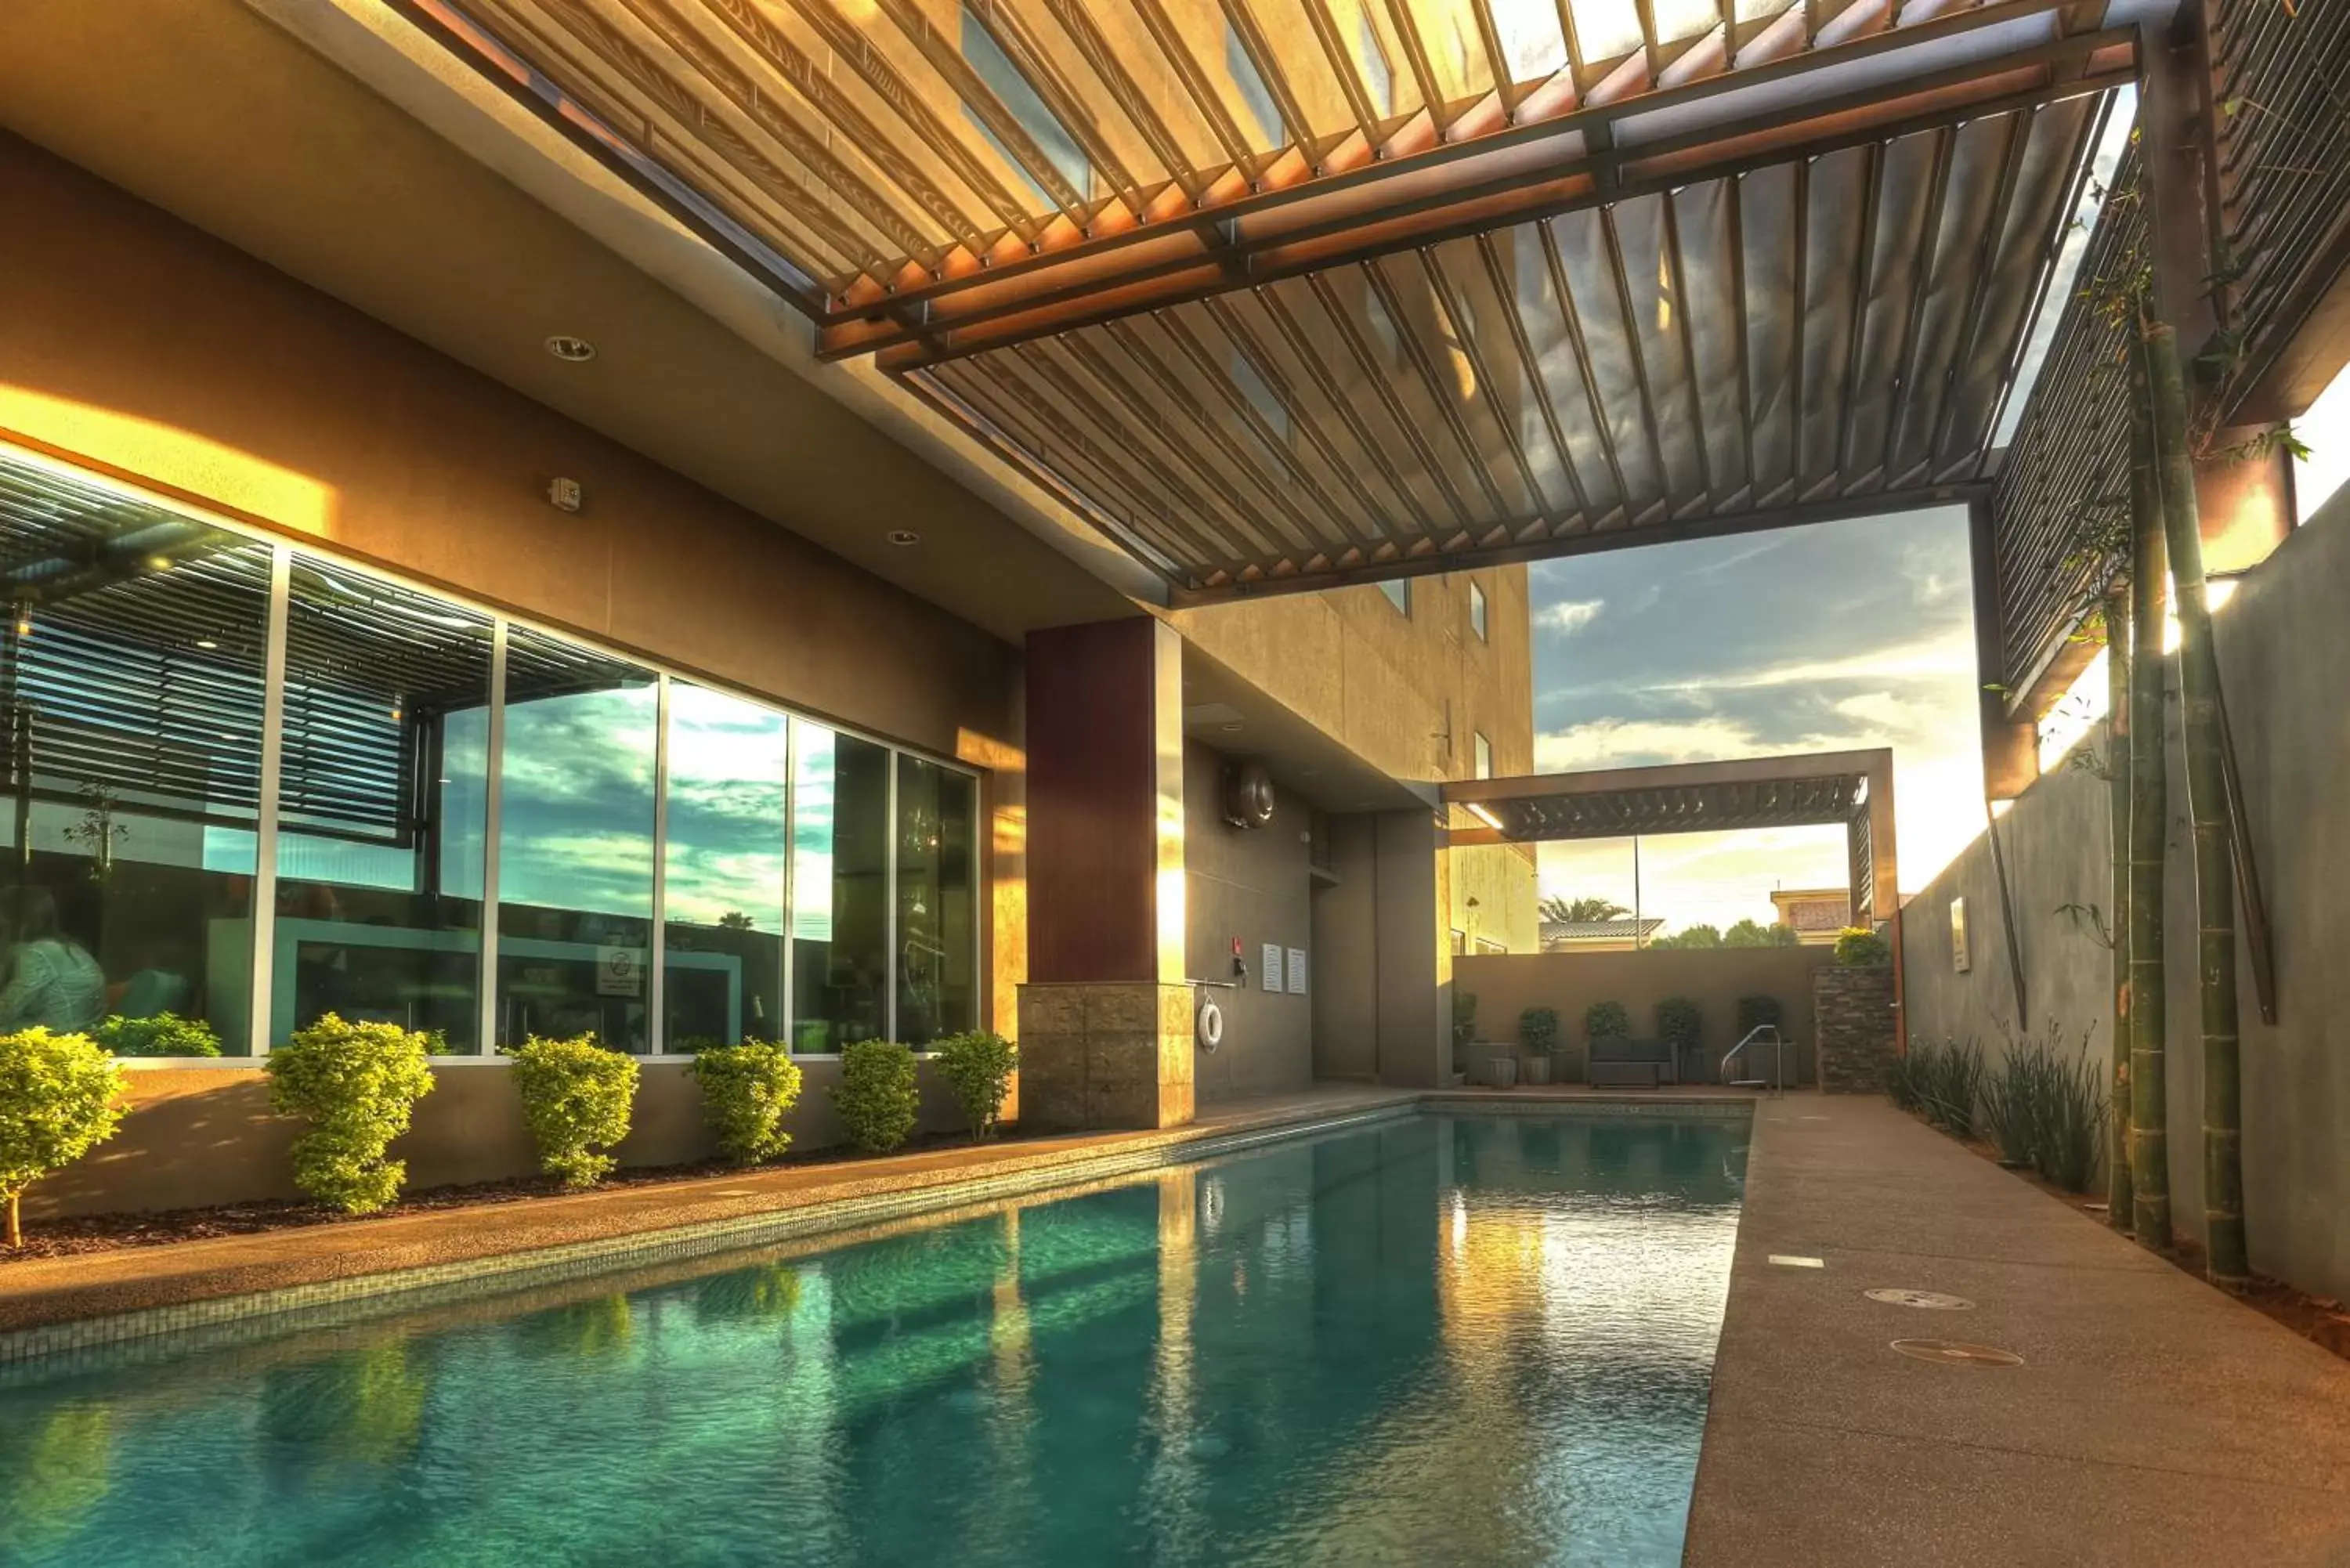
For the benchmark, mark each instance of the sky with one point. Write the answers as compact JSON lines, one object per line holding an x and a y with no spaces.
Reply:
{"x":1825,"y":637}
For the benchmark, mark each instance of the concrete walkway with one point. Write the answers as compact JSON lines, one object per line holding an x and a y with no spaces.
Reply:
{"x":2153,"y":1419}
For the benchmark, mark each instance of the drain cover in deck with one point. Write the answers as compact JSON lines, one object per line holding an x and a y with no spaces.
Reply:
{"x":1933,"y":1301}
{"x":1955,"y":1352}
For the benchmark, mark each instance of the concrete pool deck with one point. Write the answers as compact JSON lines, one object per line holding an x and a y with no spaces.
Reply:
{"x":2154,"y":1421}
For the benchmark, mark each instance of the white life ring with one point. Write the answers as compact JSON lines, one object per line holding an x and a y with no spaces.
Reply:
{"x":1210,"y":1027}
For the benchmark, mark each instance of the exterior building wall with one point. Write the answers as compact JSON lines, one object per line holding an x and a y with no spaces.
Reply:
{"x":198,"y":1137}
{"x":2282,"y":645}
{"x":1254,"y":885}
{"x":1713,"y":978}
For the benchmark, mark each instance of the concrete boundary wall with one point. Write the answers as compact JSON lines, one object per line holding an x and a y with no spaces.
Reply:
{"x":1505,"y":984}
{"x":2284,"y":647}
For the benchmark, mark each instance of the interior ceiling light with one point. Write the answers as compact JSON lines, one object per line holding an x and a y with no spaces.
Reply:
{"x":901,"y":537}
{"x":1229,"y":728}
{"x":573,"y":350}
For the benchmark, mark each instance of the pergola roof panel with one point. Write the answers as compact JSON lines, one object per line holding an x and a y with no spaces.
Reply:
{"x":1295,"y":293}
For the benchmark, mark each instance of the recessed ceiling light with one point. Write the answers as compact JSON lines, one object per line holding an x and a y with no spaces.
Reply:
{"x":575,"y":350}
{"x":901,"y":537}
{"x":1228,"y":728}
{"x":206,"y":643}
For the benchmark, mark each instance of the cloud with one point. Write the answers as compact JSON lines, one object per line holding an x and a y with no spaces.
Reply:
{"x":1950,"y":654}
{"x":1635,"y":742}
{"x":1568,"y":617}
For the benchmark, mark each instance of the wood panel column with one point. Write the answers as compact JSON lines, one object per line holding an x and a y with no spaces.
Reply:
{"x":1105,"y":1017}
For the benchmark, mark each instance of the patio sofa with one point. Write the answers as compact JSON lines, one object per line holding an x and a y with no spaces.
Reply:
{"x":1631,"y":1064}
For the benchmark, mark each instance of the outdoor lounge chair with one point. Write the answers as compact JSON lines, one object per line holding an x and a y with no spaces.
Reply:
{"x":1631,"y":1064}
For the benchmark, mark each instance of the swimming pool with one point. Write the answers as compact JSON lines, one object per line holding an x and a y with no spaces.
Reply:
{"x":1457,"y":1339}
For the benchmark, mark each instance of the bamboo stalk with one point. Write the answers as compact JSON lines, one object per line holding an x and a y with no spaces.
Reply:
{"x":2118,"y":744}
{"x":2207,"y":807}
{"x":2149,"y":819}
{"x":15,"y":1223}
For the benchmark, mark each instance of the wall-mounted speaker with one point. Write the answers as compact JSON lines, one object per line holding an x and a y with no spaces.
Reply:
{"x":1248,"y":795}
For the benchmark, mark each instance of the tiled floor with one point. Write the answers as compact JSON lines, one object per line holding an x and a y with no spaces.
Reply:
{"x":2153,"y":1421}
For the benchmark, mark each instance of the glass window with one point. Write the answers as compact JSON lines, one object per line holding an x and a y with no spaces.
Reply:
{"x":1399,"y":593}
{"x":130,"y":682}
{"x":722,"y":894}
{"x":1484,"y":757}
{"x":938,"y":897}
{"x":1477,"y":611}
{"x":382,"y":805}
{"x":574,"y":844}
{"x":840,"y":844}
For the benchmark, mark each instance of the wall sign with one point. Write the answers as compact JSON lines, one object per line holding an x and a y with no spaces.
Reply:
{"x":1271,"y":971}
{"x":619,"y":971}
{"x":1297,"y":971}
{"x":1960,"y":958}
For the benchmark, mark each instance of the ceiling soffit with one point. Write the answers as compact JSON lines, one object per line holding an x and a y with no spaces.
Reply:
{"x":1291,"y":292}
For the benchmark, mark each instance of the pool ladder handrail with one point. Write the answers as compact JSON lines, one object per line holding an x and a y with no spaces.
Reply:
{"x":1778,"y":1080}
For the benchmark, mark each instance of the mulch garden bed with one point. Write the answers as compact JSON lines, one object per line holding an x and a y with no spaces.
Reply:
{"x":2321,"y":1320}
{"x":112,"y":1232}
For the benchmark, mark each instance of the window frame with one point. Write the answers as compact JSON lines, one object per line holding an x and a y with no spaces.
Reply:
{"x":284,"y":550}
{"x":1478,"y":607}
{"x":1397,"y":591}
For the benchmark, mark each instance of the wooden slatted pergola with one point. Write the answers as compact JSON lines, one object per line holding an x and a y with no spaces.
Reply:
{"x":1850,"y":789}
{"x":1286,"y":294}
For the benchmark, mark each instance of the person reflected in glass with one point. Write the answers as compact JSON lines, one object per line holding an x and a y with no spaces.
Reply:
{"x":53,"y":981}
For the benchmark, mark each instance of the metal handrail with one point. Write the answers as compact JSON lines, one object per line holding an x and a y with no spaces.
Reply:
{"x":1779,"y":1074}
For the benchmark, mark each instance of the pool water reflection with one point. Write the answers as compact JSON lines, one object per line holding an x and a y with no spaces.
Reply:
{"x":1438,"y":1339}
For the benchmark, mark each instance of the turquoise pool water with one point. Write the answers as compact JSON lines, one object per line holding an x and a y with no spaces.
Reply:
{"x":1438,"y":1339}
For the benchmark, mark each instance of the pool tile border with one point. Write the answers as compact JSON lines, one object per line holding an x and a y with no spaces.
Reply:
{"x":256,"y":1314}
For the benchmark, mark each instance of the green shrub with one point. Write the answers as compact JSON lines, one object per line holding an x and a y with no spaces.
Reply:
{"x":978,"y":1067}
{"x":875,"y":1094}
{"x":1753,"y":1012}
{"x":60,"y":1097}
{"x":2045,"y":1107}
{"x":1905,"y":1079}
{"x":1538,"y":1030}
{"x":356,"y":1084}
{"x":1464,"y":1016}
{"x":747,"y":1092}
{"x":1857,"y":947}
{"x":165,"y":1034}
{"x":1607,"y":1020}
{"x":575,"y":1099}
{"x":1951,"y":1086}
{"x":1680,"y":1020}
{"x":2008,"y":1108}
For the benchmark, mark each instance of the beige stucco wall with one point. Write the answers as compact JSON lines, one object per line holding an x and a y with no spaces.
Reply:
{"x":197,"y":1136}
{"x":1256,"y":885}
{"x":1714,"y":978}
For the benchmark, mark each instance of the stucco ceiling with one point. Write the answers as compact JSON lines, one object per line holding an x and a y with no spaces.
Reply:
{"x":223,"y":117}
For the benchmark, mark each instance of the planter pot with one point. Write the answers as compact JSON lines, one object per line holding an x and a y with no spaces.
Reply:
{"x":1537,"y":1070}
{"x":1456,"y":1079}
{"x":1501,"y":1072}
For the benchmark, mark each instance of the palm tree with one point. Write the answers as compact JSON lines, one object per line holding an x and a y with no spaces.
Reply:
{"x":1582,"y":910}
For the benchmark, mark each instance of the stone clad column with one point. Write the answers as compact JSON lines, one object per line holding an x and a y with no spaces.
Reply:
{"x":1105,"y":1016}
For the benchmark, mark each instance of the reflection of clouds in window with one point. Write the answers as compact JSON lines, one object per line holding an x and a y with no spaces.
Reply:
{"x":1531,"y":41}
{"x":727,"y":766}
{"x":577,"y":829}
{"x":1003,"y":78}
{"x":812,"y":834}
{"x":1378,"y":78}
{"x":1252,"y":89}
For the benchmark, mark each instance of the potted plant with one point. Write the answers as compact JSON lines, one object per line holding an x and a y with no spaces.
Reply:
{"x":1682,"y":1025}
{"x":1538,"y":1034}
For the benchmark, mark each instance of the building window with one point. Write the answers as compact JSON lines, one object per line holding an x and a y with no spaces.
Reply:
{"x":936,"y":943}
{"x":841,"y":849}
{"x":1003,"y":78}
{"x":1399,"y":593}
{"x":1260,"y":396}
{"x":131,"y":673}
{"x":575,"y":876}
{"x":813,"y":886}
{"x":723,"y":869}
{"x":1484,"y":757}
{"x":383,"y":802}
{"x":1477,"y":611}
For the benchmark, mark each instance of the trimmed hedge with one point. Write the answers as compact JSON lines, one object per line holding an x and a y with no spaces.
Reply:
{"x":356,"y":1084}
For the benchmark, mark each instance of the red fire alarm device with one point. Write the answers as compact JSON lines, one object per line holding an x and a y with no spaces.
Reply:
{"x":1240,"y":964}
